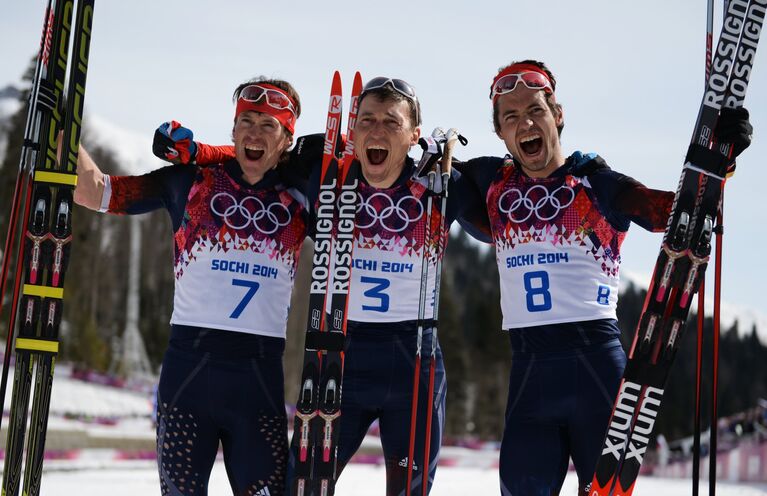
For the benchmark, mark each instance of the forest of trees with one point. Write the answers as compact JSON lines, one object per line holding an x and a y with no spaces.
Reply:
{"x":476,"y":350}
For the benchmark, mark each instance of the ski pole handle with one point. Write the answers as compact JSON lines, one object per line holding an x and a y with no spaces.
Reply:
{"x":432,"y":151}
{"x":451,"y":137}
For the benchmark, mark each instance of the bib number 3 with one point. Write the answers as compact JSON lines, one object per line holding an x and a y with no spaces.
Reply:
{"x":376,"y":293}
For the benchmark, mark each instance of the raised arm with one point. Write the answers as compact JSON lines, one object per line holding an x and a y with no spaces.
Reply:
{"x":175,"y":143}
{"x":90,"y":182}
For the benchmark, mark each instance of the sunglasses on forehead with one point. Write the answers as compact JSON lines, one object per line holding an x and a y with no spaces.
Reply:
{"x":399,"y":85}
{"x":531,"y":80}
{"x":273,"y":97}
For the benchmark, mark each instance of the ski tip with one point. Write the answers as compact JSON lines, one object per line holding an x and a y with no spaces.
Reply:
{"x":335,"y":87}
{"x":357,"y":84}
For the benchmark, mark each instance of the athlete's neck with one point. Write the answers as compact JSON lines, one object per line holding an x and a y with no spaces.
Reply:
{"x":251,"y":178}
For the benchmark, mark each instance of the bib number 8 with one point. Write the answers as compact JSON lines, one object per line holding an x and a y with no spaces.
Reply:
{"x":537,"y":291}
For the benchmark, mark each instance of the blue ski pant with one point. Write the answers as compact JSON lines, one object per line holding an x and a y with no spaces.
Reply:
{"x":558,"y":408}
{"x":221,"y":387}
{"x":378,"y":385}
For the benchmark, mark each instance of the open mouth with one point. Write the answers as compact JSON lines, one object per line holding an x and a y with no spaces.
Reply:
{"x":532,"y":144}
{"x":253,"y":153}
{"x":376,"y":155}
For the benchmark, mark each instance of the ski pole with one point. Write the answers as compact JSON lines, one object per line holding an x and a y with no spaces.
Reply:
{"x":432,"y":151}
{"x":439,"y":245}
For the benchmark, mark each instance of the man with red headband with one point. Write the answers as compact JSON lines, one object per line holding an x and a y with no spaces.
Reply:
{"x":558,"y":223}
{"x":237,"y":231}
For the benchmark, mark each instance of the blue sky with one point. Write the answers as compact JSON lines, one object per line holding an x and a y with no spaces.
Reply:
{"x":630,"y":77}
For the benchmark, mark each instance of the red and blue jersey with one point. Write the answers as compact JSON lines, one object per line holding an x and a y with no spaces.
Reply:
{"x":390,"y":239}
{"x":236,"y":244}
{"x":391,"y":245}
{"x":558,"y":239}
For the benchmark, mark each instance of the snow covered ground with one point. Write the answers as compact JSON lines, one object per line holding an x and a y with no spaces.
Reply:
{"x":125,"y":417}
{"x":357,"y":480}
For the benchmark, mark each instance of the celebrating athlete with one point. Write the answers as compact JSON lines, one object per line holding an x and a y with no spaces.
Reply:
{"x":237,"y":233}
{"x":558,"y":223}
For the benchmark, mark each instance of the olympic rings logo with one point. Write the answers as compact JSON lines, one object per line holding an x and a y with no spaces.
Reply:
{"x":250,"y":209}
{"x":520,"y":207}
{"x":394,"y":217}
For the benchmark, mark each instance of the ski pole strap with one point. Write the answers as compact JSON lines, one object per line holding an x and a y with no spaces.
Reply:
{"x":432,"y":151}
{"x":325,"y":341}
{"x":710,"y":162}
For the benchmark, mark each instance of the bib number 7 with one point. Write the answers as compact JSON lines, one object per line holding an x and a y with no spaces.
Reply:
{"x":252,"y":289}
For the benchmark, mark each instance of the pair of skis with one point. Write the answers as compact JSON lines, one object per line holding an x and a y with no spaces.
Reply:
{"x":318,"y":410}
{"x":683,"y":257}
{"x":41,"y":210}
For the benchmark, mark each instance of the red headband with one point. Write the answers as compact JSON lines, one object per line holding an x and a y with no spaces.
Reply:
{"x":517,"y":68}
{"x":284,"y":116}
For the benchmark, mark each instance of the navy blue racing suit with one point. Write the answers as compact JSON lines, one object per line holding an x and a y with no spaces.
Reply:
{"x":557,"y":242}
{"x":236,"y":251}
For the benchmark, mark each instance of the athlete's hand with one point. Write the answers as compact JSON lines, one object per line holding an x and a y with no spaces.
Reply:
{"x":174,"y":143}
{"x":734,"y":127}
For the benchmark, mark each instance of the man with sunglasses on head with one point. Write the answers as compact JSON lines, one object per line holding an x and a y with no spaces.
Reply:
{"x":557,"y":224}
{"x":237,"y":231}
{"x":385,"y":280}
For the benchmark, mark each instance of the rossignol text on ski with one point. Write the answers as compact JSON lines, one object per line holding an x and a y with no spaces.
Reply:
{"x":318,"y":408}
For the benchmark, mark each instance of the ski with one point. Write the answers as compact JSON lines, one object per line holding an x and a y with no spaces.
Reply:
{"x":48,"y":232}
{"x":30,"y":146}
{"x":333,"y":360}
{"x":306,"y":406}
{"x":318,"y":408}
{"x":682,"y":260}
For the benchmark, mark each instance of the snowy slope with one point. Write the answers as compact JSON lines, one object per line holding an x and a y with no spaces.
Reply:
{"x":72,"y":397}
{"x":105,"y":471}
{"x":357,"y":480}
